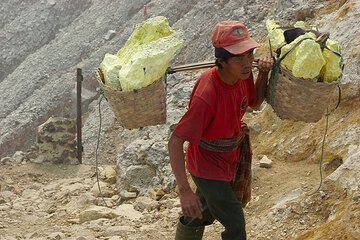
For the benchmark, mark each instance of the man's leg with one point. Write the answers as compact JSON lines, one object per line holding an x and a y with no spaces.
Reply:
{"x":224,"y":206}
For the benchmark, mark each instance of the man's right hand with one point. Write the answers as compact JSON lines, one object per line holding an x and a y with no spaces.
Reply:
{"x":190,"y":204}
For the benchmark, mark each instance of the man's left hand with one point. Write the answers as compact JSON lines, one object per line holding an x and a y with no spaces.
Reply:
{"x":265,"y":64}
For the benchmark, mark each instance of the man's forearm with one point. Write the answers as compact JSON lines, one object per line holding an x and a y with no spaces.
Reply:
{"x":260,"y":87}
{"x":177,"y":162}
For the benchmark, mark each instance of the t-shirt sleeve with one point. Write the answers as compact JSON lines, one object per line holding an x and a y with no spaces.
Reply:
{"x":251,"y":92}
{"x":192,"y":125}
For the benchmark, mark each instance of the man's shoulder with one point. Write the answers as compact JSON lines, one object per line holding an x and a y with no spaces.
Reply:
{"x":205,"y":82}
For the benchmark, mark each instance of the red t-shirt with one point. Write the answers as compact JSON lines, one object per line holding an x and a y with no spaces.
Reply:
{"x":215,"y":112}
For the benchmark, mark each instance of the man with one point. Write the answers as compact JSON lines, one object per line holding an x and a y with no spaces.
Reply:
{"x":214,"y":129}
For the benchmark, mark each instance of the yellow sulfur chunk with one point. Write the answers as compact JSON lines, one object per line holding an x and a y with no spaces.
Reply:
{"x":305,"y":60}
{"x":332,"y":69}
{"x":149,"y":63}
{"x":148,"y":31}
{"x":110,"y":67}
{"x":300,"y":24}
{"x":309,"y":60}
{"x":275,"y":34}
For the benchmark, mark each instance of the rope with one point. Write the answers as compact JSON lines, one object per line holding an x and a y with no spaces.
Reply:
{"x":322,"y":151}
{"x":97,"y":147}
{"x":324,"y":139}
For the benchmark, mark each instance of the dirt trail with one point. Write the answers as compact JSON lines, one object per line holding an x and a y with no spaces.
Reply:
{"x":18,"y":179}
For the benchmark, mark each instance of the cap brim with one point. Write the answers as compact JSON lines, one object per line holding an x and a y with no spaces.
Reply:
{"x":242,"y":47}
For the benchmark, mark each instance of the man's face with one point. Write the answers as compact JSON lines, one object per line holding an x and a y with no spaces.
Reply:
{"x":241,"y":65}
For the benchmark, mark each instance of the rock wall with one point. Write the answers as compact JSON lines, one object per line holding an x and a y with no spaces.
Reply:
{"x":42,"y":82}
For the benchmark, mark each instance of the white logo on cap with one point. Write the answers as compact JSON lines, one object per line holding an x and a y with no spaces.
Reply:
{"x":238,"y":32}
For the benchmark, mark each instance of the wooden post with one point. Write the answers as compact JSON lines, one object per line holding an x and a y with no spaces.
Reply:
{"x":79,"y":79}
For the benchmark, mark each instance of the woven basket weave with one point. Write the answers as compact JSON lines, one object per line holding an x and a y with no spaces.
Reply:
{"x":138,"y":108}
{"x":297,"y":98}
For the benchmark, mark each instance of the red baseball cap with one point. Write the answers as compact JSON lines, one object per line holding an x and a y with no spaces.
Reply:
{"x":233,"y":36}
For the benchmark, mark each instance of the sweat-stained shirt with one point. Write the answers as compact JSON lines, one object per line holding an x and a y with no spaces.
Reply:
{"x":215,"y":112}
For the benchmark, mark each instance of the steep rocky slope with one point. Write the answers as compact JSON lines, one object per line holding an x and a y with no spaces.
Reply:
{"x":46,"y":41}
{"x":43,"y":42}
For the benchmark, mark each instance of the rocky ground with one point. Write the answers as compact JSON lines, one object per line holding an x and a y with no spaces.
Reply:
{"x":52,"y":201}
{"x":44,"y":41}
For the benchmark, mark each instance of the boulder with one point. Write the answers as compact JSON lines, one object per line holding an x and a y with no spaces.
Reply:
{"x":56,"y":141}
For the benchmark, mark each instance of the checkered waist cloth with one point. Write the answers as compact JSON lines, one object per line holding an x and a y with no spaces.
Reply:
{"x":241,"y":184}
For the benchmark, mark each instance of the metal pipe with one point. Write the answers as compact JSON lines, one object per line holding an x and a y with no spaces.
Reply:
{"x":79,"y":79}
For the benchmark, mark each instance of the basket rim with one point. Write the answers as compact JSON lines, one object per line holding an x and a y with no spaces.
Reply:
{"x":288,"y":72}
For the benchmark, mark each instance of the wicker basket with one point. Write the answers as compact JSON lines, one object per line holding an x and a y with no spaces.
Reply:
{"x":297,"y":98}
{"x":138,"y":108}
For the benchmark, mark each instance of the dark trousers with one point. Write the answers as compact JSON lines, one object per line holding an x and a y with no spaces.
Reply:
{"x":219,"y":202}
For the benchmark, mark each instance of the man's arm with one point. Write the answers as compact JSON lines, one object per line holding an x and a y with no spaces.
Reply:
{"x":265,"y":64}
{"x":190,"y":202}
{"x":260,"y":88}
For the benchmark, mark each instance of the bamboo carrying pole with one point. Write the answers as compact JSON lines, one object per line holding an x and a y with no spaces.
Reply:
{"x":197,"y":66}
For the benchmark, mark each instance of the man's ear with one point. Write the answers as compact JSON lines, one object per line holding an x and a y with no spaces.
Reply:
{"x":221,"y":62}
